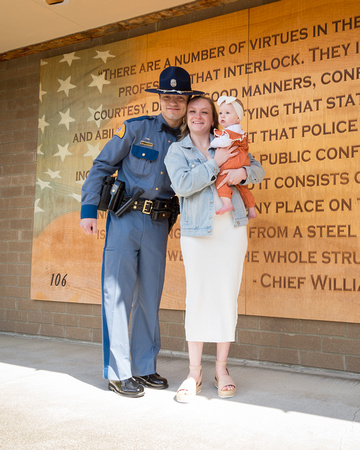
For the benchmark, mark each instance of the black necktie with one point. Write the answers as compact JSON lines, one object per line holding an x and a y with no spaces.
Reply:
{"x":174,"y":131}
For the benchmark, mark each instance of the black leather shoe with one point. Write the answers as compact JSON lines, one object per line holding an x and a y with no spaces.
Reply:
{"x":127,"y":388}
{"x":154,"y":381}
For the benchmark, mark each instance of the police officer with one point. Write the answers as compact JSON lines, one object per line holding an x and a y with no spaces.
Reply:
{"x":135,"y":246}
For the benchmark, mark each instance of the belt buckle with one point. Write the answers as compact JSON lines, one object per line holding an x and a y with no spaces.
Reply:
{"x":148,"y":204}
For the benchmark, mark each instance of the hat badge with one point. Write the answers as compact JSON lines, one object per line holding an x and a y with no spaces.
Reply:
{"x":173,"y":82}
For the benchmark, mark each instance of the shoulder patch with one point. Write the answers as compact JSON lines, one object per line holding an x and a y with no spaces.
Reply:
{"x":120,"y":131}
{"x":140,"y":118}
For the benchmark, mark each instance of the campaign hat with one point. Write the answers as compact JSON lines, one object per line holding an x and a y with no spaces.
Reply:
{"x":174,"y":81}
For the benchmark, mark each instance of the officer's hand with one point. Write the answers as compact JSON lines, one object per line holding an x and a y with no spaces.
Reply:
{"x":89,"y":225}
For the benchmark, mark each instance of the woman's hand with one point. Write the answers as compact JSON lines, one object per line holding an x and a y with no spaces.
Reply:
{"x":222,"y":154}
{"x":233,"y":176}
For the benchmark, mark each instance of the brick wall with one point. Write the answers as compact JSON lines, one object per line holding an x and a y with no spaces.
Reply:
{"x":293,"y":342}
{"x":307,"y":343}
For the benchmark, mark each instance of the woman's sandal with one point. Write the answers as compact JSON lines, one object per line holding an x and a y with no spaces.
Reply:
{"x":189,"y":388}
{"x":223,"y":381}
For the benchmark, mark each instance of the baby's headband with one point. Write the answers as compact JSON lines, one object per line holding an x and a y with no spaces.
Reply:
{"x":232,"y":101}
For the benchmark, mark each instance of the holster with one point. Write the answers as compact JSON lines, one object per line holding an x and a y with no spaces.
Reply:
{"x":116,"y":195}
{"x":105,"y":193}
{"x":128,"y":203}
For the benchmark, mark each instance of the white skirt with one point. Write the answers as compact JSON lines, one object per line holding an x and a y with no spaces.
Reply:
{"x":213,"y":269}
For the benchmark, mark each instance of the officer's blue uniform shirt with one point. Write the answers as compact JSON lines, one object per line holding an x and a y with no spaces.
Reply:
{"x":137,"y":150}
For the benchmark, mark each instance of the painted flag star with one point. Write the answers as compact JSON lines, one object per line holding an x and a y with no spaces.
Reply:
{"x":92,"y":117}
{"x":39,"y":152}
{"x":42,"y":123}
{"x":103,"y":55}
{"x":41,"y":93}
{"x":63,"y":152}
{"x":69,"y":58}
{"x":53,"y":174}
{"x":93,"y":150}
{"x":43,"y":184}
{"x":77,"y":197}
{"x":43,"y":63}
{"x":65,"y":85}
{"x":66,"y":119}
{"x":99,"y":81}
{"x":37,"y":207}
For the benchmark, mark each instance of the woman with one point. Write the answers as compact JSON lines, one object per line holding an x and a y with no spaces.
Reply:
{"x":213,"y":246}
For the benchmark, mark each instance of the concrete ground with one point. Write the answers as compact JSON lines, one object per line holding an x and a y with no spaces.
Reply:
{"x":52,"y":396}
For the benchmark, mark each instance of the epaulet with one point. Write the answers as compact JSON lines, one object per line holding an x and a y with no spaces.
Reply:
{"x":140,"y":118}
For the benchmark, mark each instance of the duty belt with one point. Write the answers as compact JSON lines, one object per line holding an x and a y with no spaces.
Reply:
{"x":158,"y":209}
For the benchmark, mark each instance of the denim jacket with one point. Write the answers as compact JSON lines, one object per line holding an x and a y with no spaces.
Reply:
{"x":192,"y":178}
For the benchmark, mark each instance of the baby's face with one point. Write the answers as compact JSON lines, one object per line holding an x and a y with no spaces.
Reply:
{"x":227,"y":115}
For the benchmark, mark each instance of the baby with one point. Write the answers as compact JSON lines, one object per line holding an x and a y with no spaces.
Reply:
{"x":231,"y":112}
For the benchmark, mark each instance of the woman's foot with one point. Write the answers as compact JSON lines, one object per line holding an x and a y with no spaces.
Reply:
{"x":223,"y":381}
{"x":191,"y":386}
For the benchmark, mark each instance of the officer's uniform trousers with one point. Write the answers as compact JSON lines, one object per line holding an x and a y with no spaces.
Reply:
{"x":132,"y":276}
{"x":135,"y":248}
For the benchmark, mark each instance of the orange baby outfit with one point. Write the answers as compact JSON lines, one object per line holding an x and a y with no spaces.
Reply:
{"x":239,"y":140}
